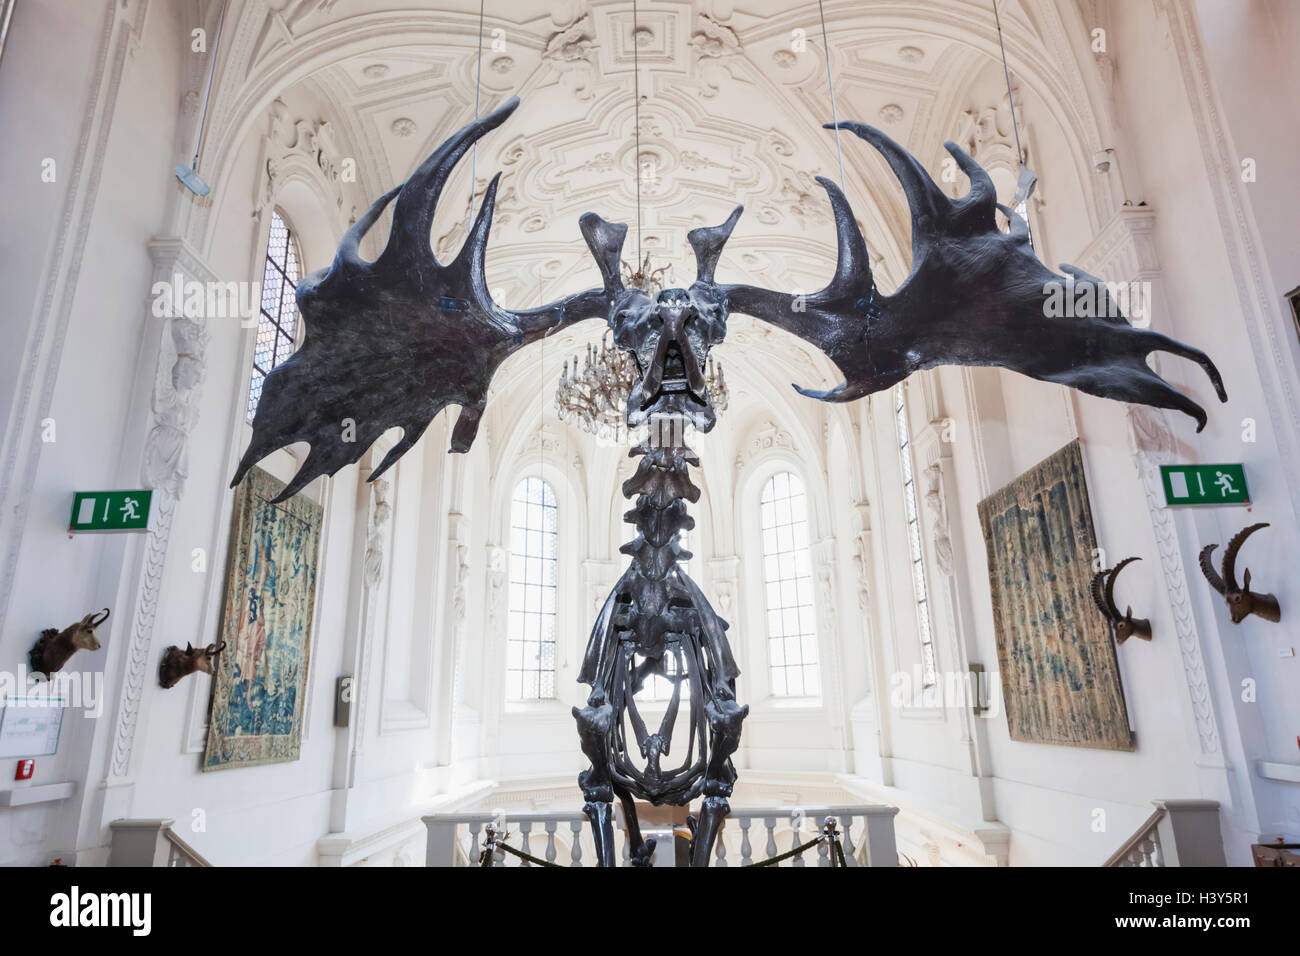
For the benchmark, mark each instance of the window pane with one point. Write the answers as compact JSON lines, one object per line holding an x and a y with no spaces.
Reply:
{"x":278,"y":320}
{"x":919,"y":590}
{"x":787,"y":571}
{"x":530,"y":673}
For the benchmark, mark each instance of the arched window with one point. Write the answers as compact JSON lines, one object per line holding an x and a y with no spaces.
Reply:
{"x":919,"y":589}
{"x":530,"y":645}
{"x":787,"y":574}
{"x":277,"y":325}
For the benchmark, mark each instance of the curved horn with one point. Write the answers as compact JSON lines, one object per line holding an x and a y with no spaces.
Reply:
{"x":1230,"y":553}
{"x":707,"y":242}
{"x":1094,"y":588}
{"x":1207,"y":568}
{"x":99,"y":619}
{"x":1110,"y":584}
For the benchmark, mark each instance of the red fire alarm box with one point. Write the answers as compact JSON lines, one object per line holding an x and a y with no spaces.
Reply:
{"x":25,"y":769}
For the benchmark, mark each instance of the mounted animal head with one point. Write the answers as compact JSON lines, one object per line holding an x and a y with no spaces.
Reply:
{"x":1242,"y":601}
{"x":53,"y":648}
{"x":1103,"y":595}
{"x":177,"y":663}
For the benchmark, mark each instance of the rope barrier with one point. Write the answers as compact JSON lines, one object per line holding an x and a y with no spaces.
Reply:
{"x":772,"y":861}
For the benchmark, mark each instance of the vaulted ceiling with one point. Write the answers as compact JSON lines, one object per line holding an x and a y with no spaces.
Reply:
{"x":732,"y":101}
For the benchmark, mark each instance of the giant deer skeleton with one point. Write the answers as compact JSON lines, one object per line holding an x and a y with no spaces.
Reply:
{"x":394,"y":341}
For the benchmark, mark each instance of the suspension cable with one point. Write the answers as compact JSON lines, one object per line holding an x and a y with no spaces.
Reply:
{"x":478,"y":89}
{"x":1015,"y":124}
{"x":636,"y":93}
{"x":830,"y":81}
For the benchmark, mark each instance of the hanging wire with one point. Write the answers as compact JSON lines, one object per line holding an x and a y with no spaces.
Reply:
{"x":1015,"y":125}
{"x":830,"y":80}
{"x":478,"y":89}
{"x":636,"y":93}
{"x":207,"y":87}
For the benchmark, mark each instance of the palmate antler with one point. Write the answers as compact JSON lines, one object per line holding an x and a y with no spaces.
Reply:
{"x":394,"y":341}
{"x":975,"y":296}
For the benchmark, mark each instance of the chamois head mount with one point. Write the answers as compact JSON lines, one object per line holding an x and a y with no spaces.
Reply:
{"x":53,"y":648}
{"x":1242,"y":601}
{"x":1103,"y":595}
{"x":177,"y":663}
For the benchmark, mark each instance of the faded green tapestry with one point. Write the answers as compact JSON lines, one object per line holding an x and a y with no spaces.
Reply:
{"x":261,"y":679}
{"x":1060,"y":676}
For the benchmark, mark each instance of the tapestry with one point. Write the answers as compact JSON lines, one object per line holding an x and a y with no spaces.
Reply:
{"x":1060,"y":675}
{"x":260,"y":685}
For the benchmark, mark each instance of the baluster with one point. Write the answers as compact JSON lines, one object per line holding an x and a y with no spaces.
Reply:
{"x":550,"y":840}
{"x":795,"y":840}
{"x":746,"y":851}
{"x":1148,"y":851}
{"x":575,"y":854}
{"x":770,"y":849}
{"x":847,"y":841}
{"x":720,"y":848}
{"x":525,"y":829}
{"x":823,"y":853}
{"x":1159,"y":853}
{"x":474,"y":848}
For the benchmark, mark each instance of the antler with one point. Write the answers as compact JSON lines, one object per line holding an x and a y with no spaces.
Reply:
{"x":975,"y":296}
{"x":1230,"y":554}
{"x":390,"y":343}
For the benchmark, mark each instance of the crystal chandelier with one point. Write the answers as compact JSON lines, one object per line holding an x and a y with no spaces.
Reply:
{"x":594,"y":396}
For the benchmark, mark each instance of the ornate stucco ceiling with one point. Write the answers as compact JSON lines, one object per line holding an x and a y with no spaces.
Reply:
{"x":732,"y":98}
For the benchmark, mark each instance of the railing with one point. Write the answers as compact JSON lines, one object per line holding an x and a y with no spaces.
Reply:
{"x":150,"y":843}
{"x":747,"y":836}
{"x":1179,"y":833}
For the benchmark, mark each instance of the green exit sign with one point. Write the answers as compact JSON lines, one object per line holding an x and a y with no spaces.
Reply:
{"x":111,"y":511}
{"x":1205,"y":484}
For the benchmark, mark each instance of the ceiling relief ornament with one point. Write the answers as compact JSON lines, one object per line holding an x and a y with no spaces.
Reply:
{"x":891,"y":113}
{"x":571,"y":53}
{"x":715,"y":45}
{"x":289,"y":141}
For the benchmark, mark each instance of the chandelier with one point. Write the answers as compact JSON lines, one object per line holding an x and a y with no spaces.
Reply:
{"x":594,"y":396}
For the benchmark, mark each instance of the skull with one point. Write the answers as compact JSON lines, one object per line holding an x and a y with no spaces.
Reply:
{"x":668,"y":333}
{"x":669,"y":336}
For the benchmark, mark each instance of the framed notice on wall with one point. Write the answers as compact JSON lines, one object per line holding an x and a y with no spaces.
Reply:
{"x":30,"y":726}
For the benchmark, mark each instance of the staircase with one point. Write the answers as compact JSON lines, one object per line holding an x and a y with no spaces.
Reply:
{"x":150,"y":843}
{"x":1179,"y":833}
